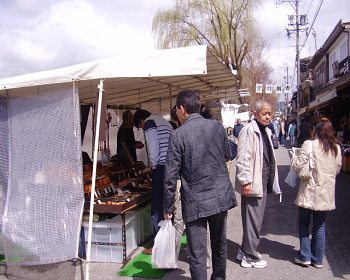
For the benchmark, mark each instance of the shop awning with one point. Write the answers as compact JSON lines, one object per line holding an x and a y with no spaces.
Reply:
{"x":322,"y":100}
{"x":133,"y":79}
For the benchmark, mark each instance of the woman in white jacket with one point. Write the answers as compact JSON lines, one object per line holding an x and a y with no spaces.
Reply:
{"x":320,"y":159}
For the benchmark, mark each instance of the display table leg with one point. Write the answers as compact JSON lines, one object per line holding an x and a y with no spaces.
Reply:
{"x":124,"y":237}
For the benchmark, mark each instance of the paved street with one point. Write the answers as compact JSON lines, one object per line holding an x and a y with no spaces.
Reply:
{"x":279,"y":243}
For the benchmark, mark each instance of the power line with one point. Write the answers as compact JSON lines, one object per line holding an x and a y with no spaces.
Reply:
{"x":312,"y":24}
{"x":309,"y":8}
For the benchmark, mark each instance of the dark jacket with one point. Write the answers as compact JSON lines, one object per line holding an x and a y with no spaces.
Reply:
{"x":126,"y":135}
{"x":237,"y":129}
{"x":198,"y":151}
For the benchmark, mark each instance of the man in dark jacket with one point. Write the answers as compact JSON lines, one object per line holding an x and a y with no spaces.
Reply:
{"x":199,"y":159}
{"x":237,"y":128}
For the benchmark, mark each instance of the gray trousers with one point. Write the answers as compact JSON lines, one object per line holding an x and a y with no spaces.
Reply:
{"x":197,"y":236}
{"x":178,"y":222}
{"x":180,"y":226}
{"x":252,"y":211}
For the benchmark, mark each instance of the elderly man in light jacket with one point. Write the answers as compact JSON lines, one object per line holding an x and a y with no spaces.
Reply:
{"x":256,"y":176}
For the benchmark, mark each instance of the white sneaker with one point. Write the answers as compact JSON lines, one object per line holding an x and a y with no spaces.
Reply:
{"x":299,"y":261}
{"x":256,"y":264}
{"x":240,"y":255}
{"x":319,"y":266}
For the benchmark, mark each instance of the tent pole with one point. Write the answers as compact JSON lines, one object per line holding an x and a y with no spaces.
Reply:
{"x":171,"y":98}
{"x":93,"y":180}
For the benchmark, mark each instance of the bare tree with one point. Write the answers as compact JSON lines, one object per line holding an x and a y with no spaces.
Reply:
{"x":226,"y":26}
{"x":256,"y":70}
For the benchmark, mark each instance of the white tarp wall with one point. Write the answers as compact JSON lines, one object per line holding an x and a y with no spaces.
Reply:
{"x":44,"y":186}
{"x":4,"y":168}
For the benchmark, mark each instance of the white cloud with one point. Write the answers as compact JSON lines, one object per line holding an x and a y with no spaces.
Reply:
{"x":72,"y":31}
{"x":40,"y":34}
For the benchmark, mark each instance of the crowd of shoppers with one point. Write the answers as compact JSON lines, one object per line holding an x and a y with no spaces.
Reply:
{"x":192,"y":186}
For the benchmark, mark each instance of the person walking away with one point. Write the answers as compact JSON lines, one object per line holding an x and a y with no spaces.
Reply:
{"x":292,"y":132}
{"x":282,"y":133}
{"x":304,"y":133}
{"x":157,"y":131}
{"x":206,"y":192}
{"x":256,"y":175}
{"x":316,"y":195}
{"x":276,"y":126}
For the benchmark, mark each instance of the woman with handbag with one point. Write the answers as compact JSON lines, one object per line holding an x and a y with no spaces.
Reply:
{"x":317,"y":164}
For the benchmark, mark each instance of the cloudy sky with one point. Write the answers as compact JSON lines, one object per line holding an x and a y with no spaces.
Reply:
{"x":38,"y":35}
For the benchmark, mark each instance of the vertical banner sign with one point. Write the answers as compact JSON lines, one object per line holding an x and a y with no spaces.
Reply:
{"x":268,"y":88}
{"x":258,"y":88}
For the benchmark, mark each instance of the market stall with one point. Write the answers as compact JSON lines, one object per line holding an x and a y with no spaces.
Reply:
{"x":41,"y":173}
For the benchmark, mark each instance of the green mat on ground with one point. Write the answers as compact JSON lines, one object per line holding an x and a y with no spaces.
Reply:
{"x":183,"y":241}
{"x":141,"y":266}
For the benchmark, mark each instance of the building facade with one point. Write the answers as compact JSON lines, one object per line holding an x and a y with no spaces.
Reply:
{"x":325,"y":88}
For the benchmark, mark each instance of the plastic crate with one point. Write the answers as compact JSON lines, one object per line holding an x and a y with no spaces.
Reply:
{"x":108,"y":232}
{"x":147,"y":228}
{"x":143,"y":224}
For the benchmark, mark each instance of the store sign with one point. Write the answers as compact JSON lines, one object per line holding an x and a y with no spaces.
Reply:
{"x":344,"y":66}
{"x":287,"y":89}
{"x":258,"y":88}
{"x":278,"y":89}
{"x":268,"y":88}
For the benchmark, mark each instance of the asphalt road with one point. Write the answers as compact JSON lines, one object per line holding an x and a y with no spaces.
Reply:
{"x":279,"y":244}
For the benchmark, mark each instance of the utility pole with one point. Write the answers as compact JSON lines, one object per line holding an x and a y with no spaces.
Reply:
{"x":296,"y":23}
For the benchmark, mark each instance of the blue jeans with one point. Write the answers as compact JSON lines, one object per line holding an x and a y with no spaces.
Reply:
{"x":312,"y":250}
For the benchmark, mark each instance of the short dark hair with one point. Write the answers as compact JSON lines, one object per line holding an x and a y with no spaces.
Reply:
{"x":140,"y":115}
{"x":189,"y":99}
{"x":173,"y":115}
{"x":206,"y":112}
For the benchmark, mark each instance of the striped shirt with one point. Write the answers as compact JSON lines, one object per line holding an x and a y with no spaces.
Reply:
{"x":157,"y":132}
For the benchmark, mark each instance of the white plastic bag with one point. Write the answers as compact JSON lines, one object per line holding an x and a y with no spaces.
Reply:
{"x":291,"y":178}
{"x":163,"y":252}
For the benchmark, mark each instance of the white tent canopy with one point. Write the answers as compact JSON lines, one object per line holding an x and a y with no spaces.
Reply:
{"x":40,"y":132}
{"x":132,"y":80}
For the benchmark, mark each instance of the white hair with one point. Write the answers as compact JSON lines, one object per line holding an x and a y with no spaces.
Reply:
{"x":260,"y":104}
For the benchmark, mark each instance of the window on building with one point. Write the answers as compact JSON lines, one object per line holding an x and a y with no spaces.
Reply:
{"x":343,"y":50}
{"x":320,"y":76}
{"x":332,"y":60}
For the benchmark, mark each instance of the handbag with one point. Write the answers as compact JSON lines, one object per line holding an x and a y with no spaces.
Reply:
{"x":306,"y":171}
